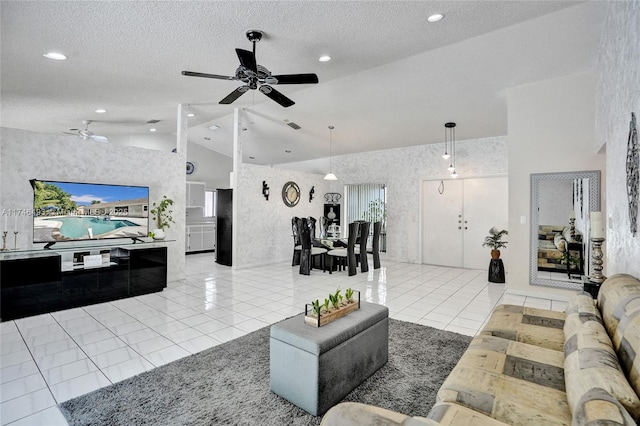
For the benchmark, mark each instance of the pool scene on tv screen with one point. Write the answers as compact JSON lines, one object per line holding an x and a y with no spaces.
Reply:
{"x":68,"y":211}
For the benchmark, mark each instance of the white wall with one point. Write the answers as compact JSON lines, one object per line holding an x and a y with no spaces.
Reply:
{"x":160,"y":142}
{"x":403,"y":171}
{"x":550,"y":129}
{"x":618,"y":95}
{"x":26,"y":155}
{"x":211,"y":167}
{"x":264,"y":226}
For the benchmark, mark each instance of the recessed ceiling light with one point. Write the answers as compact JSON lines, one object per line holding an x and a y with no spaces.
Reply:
{"x":214,"y":127}
{"x":191,"y":114}
{"x":55,"y":56}
{"x":435,"y":17}
{"x":324,"y":58}
{"x":101,"y":111}
{"x":152,"y":130}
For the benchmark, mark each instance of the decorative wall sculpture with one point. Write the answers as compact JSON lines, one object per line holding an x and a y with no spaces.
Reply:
{"x":633,"y":178}
{"x":332,"y":197}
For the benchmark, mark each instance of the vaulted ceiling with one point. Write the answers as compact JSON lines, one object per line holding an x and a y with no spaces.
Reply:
{"x":394,"y":78}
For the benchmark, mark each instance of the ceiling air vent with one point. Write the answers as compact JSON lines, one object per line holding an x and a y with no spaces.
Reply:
{"x":293,"y":125}
{"x":153,"y":121}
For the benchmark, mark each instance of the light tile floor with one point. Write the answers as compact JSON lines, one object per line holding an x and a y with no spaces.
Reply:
{"x":48,"y":359}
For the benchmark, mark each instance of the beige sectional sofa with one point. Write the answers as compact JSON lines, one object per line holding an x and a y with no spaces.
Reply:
{"x":539,"y":367}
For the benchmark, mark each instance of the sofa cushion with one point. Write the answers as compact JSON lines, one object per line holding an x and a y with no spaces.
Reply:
{"x":619,"y":303}
{"x":590,"y":362}
{"x":448,"y":414}
{"x":538,"y":327}
{"x":357,"y":414}
{"x":597,"y":407}
{"x":580,"y":309}
{"x":513,"y":382}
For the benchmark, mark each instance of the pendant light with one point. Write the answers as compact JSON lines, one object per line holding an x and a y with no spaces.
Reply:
{"x":450,"y":139}
{"x":446,"y":154}
{"x":330,"y":175}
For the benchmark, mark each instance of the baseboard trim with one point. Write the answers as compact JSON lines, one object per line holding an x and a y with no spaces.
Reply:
{"x":542,"y":294}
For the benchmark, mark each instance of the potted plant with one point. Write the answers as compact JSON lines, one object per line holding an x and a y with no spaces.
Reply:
{"x":162,"y":216}
{"x":336,"y":306}
{"x":572,"y":262}
{"x":494,"y":240}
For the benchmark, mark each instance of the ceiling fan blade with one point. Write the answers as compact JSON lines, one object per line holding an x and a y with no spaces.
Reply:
{"x":247,"y":60}
{"x":200,"y":74}
{"x":234,"y":95}
{"x":295,"y":79}
{"x":276,"y":96}
{"x":98,"y":138}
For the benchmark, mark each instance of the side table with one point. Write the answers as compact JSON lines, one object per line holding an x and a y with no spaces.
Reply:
{"x":591,"y":287}
{"x":496,"y":271}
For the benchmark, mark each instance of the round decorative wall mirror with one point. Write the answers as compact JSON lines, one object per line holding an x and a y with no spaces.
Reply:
{"x":290,"y":194}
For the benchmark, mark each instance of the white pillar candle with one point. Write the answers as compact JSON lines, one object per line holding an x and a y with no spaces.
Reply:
{"x":597,"y":229}
{"x":15,"y":223}
{"x":572,"y":215}
{"x":5,"y":224}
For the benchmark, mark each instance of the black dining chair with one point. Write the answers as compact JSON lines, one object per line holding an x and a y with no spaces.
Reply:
{"x":361,"y":248}
{"x":308,"y":252}
{"x":346,"y":255}
{"x":375,"y":244}
{"x":297,"y":245}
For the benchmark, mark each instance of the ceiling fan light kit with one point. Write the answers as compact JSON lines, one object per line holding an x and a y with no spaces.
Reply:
{"x":255,"y":76}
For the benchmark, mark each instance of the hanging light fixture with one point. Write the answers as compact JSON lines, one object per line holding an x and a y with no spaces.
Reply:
{"x":450,"y":140}
{"x":330,"y":175}
{"x":446,"y":154}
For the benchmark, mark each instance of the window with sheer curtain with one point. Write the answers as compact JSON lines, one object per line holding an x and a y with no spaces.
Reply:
{"x":209,"y":203}
{"x":366,"y":202}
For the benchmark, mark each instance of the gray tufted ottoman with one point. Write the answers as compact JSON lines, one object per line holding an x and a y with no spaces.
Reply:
{"x":314,"y":368}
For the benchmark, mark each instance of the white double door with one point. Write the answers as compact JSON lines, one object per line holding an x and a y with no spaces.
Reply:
{"x":456,"y":217}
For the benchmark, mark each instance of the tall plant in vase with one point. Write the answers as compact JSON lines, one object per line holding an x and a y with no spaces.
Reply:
{"x":494,"y":241}
{"x":162,"y":216}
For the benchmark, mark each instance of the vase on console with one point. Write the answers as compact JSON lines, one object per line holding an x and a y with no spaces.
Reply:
{"x":158,"y":234}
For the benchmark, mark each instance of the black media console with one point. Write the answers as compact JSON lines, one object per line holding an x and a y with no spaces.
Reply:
{"x":37,"y":282}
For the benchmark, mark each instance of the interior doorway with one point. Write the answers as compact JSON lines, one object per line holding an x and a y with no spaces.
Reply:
{"x":457,"y":215}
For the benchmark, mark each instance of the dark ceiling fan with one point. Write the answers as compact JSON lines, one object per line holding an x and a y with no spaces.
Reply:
{"x":256,"y":76}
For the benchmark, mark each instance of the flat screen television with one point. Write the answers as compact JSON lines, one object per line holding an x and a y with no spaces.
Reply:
{"x":77,"y":211}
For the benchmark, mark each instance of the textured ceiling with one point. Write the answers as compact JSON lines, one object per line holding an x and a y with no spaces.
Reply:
{"x":394,"y":79}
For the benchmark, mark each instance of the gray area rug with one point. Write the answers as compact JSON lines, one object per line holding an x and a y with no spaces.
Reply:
{"x":229,"y":384}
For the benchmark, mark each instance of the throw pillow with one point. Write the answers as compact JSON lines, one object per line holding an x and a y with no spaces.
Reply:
{"x":560,"y":242}
{"x":590,"y":362}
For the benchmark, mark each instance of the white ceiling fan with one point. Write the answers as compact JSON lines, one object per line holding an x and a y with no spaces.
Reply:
{"x":87,"y":134}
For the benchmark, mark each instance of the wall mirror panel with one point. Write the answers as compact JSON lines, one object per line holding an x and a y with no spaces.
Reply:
{"x":560,"y":207}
